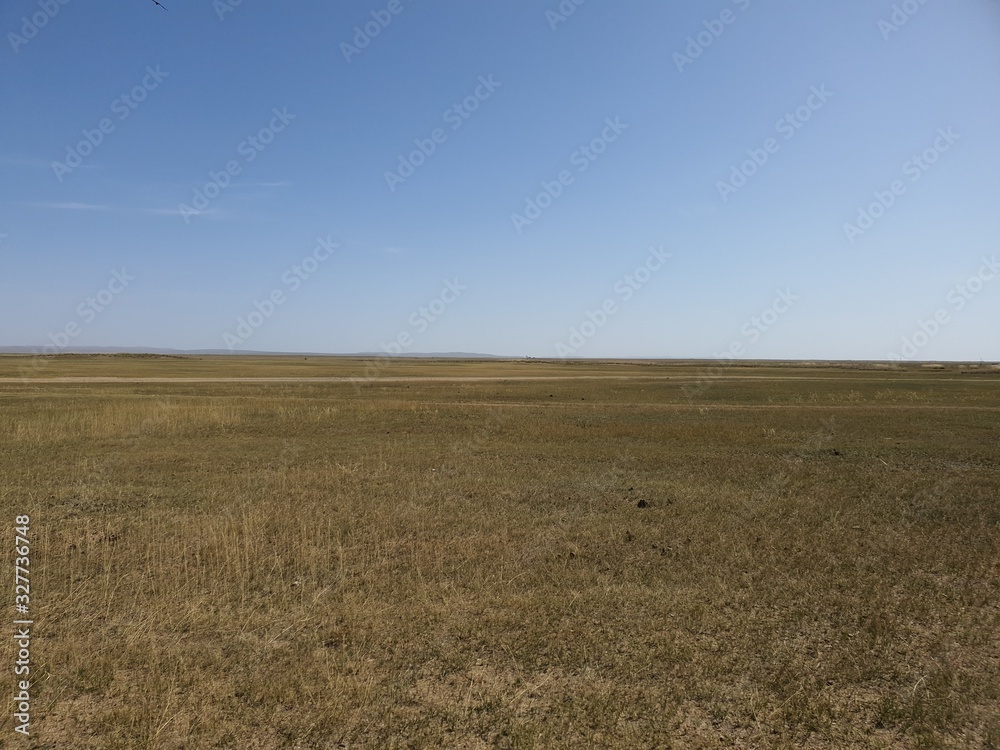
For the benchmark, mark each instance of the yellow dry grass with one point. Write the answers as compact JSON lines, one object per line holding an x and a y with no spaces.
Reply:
{"x":584,"y":563}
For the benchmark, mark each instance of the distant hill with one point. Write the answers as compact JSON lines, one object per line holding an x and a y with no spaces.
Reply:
{"x":215,"y":352}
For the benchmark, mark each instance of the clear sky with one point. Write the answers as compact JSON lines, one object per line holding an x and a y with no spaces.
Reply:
{"x":641,"y":178}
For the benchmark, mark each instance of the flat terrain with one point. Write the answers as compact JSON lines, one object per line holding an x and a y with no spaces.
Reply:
{"x":345,"y":553}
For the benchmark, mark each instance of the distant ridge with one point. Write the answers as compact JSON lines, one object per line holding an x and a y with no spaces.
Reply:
{"x":242,"y":352}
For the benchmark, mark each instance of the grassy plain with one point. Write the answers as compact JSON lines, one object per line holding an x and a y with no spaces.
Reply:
{"x":784,"y":556}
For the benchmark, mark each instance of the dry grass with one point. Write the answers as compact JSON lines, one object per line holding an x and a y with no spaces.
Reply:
{"x":571,"y":563}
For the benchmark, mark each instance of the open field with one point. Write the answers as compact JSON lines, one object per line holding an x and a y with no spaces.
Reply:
{"x":269,"y":553}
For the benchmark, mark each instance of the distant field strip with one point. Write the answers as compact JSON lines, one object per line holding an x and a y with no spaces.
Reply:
{"x":485,"y":378}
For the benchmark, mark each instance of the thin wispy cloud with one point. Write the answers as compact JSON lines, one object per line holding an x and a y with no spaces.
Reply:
{"x":262,"y":184}
{"x":214,"y":213}
{"x":20,"y":161}
{"x":30,"y":162}
{"x":65,"y":206}
{"x":77,"y":206}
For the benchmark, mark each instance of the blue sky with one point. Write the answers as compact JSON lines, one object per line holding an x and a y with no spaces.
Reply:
{"x":635,"y":125}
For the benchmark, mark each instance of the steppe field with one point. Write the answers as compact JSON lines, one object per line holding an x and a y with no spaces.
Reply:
{"x":291,"y":552}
